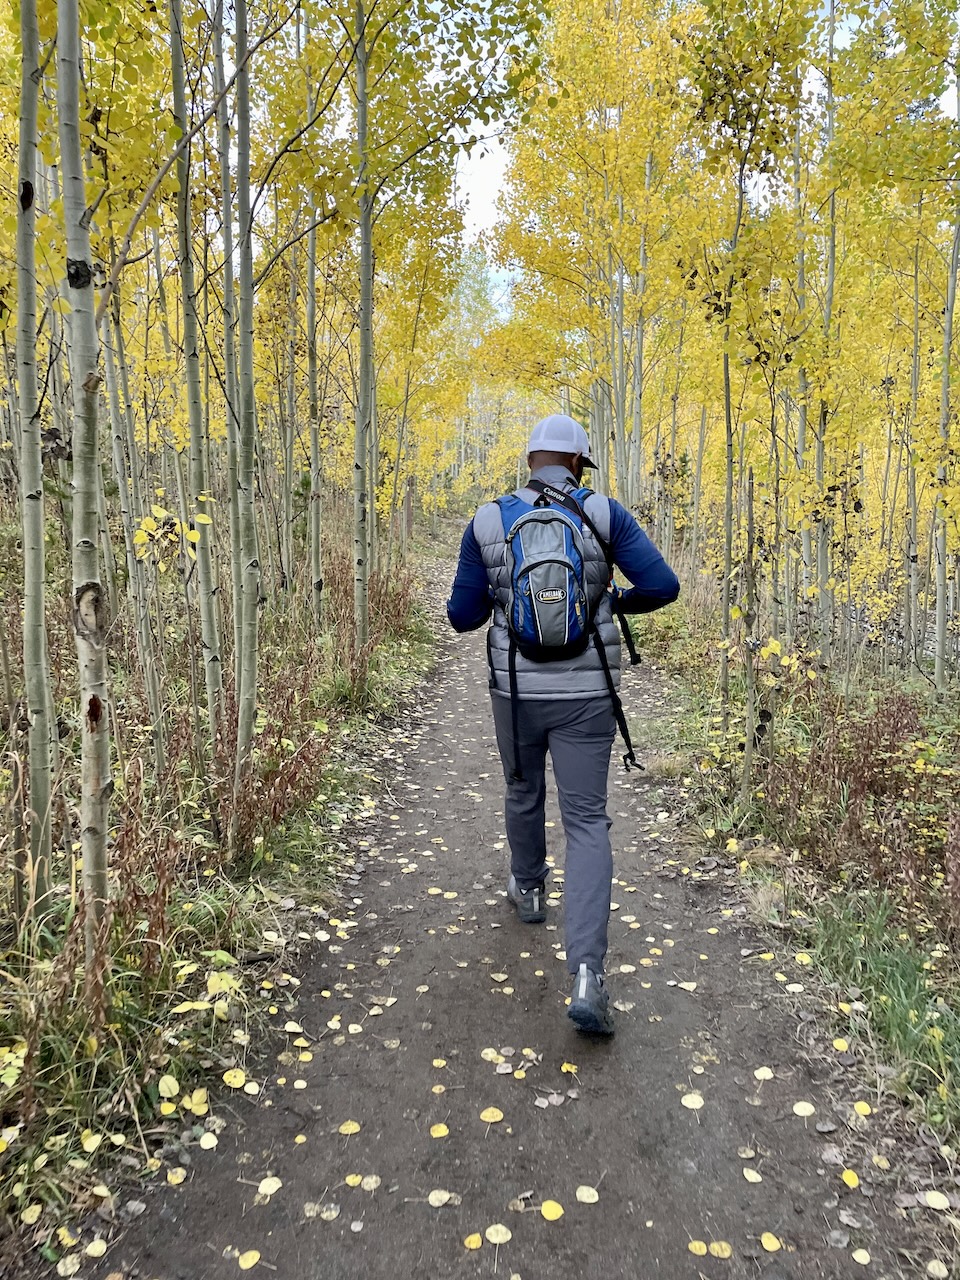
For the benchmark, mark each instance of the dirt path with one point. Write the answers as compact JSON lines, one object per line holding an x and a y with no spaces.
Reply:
{"x":436,"y":977}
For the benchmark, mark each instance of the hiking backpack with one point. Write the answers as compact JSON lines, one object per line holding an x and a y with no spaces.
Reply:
{"x":549,"y":611}
{"x":550,"y":607}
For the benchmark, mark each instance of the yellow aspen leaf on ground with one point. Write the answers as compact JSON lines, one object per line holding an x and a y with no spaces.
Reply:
{"x":499,"y":977}
{"x":251,"y":1087}
{"x":294,"y":1028}
{"x":90,"y":1141}
{"x":348,"y":1127}
{"x":329,"y":1212}
{"x":692,"y":1101}
{"x":168,"y":1087}
{"x":937,"y":1269}
{"x":491,"y":1055}
{"x":439,"y":1062}
{"x":746,"y":1153}
{"x":698,"y":1248}
{"x":863,"y":1108}
{"x":96,"y":1248}
{"x":438,"y":1198}
{"x":249,"y":1259}
{"x":353,"y":1179}
{"x":69,"y":1265}
{"x":568,"y":1068}
{"x":234,"y":1078}
{"x":802,"y":958}
{"x":31,"y":1213}
{"x":438,"y":1088}
{"x":763,"y":1073}
{"x":881,"y":1162}
{"x":491,"y":1115}
{"x":804,"y":1109}
{"x":771,"y":1242}
{"x":269,"y":1186}
{"x":588,"y":1195}
{"x":176,"y":1176}
{"x":370,"y":1182}
{"x":497,"y":1233}
{"x":551,"y":1210}
{"x":438,"y":1131}
{"x":208,"y":1141}
{"x":936,"y":1200}
{"x":840,"y":1045}
{"x":851,"y":1179}
{"x":720,"y":1249}
{"x":687,"y":986}
{"x":751,"y":1175}
{"x":861,"y":1256}
{"x":473,"y":1241}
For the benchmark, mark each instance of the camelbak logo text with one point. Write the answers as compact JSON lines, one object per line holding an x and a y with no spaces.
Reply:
{"x":551,"y":595}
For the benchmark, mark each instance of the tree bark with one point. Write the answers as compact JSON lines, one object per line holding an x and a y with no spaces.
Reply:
{"x":36,"y":873}
{"x":90,"y":613}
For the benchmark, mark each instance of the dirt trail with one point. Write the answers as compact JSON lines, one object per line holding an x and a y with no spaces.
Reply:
{"x":436,"y":970}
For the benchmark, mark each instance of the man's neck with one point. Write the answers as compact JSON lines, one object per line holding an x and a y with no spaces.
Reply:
{"x":553,"y":473}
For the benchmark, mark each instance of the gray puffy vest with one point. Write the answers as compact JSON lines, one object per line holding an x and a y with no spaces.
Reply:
{"x":580,"y":677}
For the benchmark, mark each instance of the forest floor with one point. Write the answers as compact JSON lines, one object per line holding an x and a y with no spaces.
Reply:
{"x":438,"y":1004}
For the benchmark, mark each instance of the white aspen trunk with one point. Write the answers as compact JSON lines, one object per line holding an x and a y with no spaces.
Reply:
{"x":34,"y":875}
{"x":90,"y":619}
{"x":209,"y":619}
{"x":697,"y":489}
{"x":365,"y":373}
{"x":313,"y":412}
{"x":229,"y":345}
{"x":940,"y":511}
{"x":290,"y":470}
{"x":106,"y":548}
{"x":246,"y":471}
{"x":912,"y":654}
{"x":136,"y":585}
{"x":825,"y":524}
{"x":803,"y":401}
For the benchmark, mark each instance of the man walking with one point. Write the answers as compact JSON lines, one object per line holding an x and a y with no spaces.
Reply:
{"x":557,"y":692}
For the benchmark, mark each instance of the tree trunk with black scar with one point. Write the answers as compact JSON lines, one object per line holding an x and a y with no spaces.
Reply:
{"x":33,"y":877}
{"x":90,"y":610}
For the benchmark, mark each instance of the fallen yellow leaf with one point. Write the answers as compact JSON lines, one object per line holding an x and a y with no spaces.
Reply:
{"x":249,"y":1259}
{"x":551,"y":1210}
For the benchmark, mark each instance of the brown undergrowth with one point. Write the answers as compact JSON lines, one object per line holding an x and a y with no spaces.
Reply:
{"x":846,"y":831}
{"x":99,"y":1075}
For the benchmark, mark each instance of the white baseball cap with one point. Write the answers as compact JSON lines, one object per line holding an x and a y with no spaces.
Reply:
{"x":560,"y":434}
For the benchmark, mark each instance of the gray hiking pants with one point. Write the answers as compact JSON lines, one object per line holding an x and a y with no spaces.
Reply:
{"x":578,"y":733}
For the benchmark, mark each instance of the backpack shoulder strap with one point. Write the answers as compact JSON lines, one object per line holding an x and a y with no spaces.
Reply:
{"x":573,"y":502}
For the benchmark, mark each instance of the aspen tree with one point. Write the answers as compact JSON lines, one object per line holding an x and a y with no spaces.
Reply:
{"x":90,"y":616}
{"x":246,"y":469}
{"x":33,"y":893}
{"x":199,"y":536}
{"x":940,"y":513}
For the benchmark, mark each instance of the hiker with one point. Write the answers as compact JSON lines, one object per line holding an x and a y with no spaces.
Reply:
{"x":541,"y":560}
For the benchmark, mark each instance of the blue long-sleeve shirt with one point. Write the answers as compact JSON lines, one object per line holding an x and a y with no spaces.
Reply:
{"x":654,"y":584}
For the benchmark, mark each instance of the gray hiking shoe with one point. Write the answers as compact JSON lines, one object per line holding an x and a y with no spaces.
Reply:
{"x":589,"y":1003}
{"x":531,"y":904}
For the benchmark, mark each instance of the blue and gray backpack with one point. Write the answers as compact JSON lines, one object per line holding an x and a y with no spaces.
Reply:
{"x":550,"y":607}
{"x":550,"y":610}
